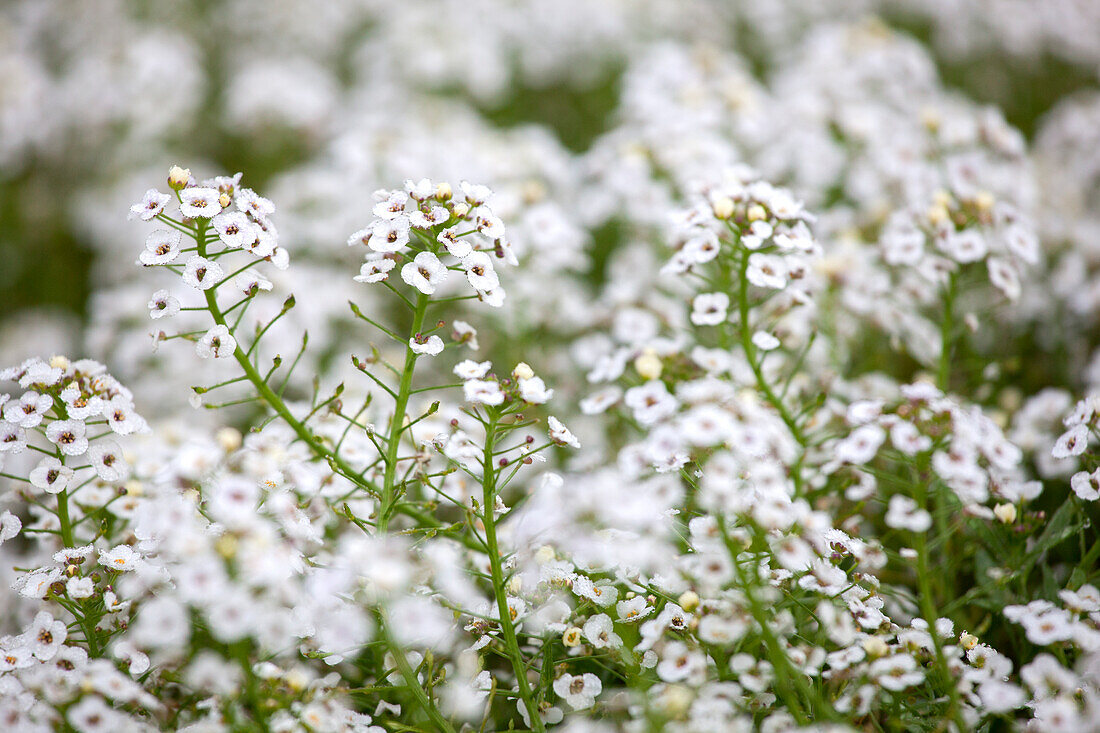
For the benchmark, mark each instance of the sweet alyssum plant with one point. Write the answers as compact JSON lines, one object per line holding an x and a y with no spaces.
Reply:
{"x":766,"y":544}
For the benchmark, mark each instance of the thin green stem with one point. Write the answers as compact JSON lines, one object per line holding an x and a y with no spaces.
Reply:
{"x":397,"y":425}
{"x":515,"y":656}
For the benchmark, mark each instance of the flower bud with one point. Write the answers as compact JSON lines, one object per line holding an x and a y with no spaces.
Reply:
{"x":523,"y":371}
{"x":229,"y":439}
{"x":968,"y":640}
{"x":443,"y":191}
{"x":648,"y":365}
{"x":723,"y":207}
{"x":688,"y":600}
{"x":224,"y":201}
{"x":756,"y":212}
{"x":875,"y":647}
{"x":178,"y":177}
{"x":1005,"y":512}
{"x":571,"y":637}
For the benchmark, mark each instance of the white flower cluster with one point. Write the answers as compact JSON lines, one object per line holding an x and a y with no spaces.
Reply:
{"x":425,"y":221}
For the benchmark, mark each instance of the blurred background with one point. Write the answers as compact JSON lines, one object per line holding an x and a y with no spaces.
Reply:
{"x":321,"y":103}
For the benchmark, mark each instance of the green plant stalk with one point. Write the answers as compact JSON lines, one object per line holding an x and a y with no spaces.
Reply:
{"x":411,"y":681}
{"x":786,"y":677}
{"x":515,"y":656}
{"x":319,"y":450}
{"x":398,"y":424}
{"x":928,"y":610}
{"x":947,"y":328}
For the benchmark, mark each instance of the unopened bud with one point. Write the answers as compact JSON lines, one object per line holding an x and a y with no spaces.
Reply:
{"x":875,"y":647}
{"x":723,"y":207}
{"x":688,"y":600}
{"x":1005,"y":512}
{"x":229,"y":439}
{"x":443,"y":191}
{"x":756,"y":212}
{"x":648,"y":365}
{"x":968,"y":640}
{"x":178,"y":177}
{"x":523,"y":371}
{"x":224,"y":200}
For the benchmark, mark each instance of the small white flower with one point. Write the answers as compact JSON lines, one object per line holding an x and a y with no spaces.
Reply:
{"x":254,"y":205}
{"x":560,"y":434}
{"x":120,"y":558}
{"x":375,"y":271}
{"x":1086,"y":485}
{"x":767,"y":271}
{"x":218,"y":342}
{"x":28,"y":410}
{"x":534,"y":392}
{"x":578,"y":691}
{"x":709,"y":309}
{"x":151,"y":204}
{"x":45,"y":636}
{"x":392,"y":206}
{"x":78,"y":587}
{"x":9,"y":526}
{"x":469,"y":369}
{"x":163,"y":305}
{"x":601,"y":633}
{"x":426,"y":346}
{"x":201,"y":273}
{"x":161,"y":247}
{"x":1073,"y":442}
{"x":475,"y":194}
{"x":965,"y":246}
{"x":480,"y":272}
{"x":765,"y":341}
{"x":106,"y":459}
{"x":457,"y":246}
{"x":389,"y":235}
{"x":200,"y":203}
{"x":234,"y":229}
{"x":424,"y":273}
{"x":483,"y":392}
{"x":68,"y":435}
{"x":903,"y":513}
{"x":50,"y":475}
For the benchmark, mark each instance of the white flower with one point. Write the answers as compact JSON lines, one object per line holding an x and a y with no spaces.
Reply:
{"x":1086,"y":485}
{"x":603,"y":594}
{"x":45,"y":636}
{"x":634,"y":609}
{"x":578,"y":691}
{"x":457,"y":246}
{"x":1004,"y":277}
{"x":253,"y":204}
{"x":389,"y":235}
{"x":903,"y":513}
{"x":374,"y":271}
{"x":464,"y":333}
{"x":1073,"y":442}
{"x":469,"y":369}
{"x":120,"y":558}
{"x":151,"y":204}
{"x":767,"y":271}
{"x":601,"y":633}
{"x":78,"y":587}
{"x":161,"y":247}
{"x":429,"y":346}
{"x":709,"y":309}
{"x":424,"y":273}
{"x":28,"y":410}
{"x":106,"y":459}
{"x":392,"y":206}
{"x":234,"y":229}
{"x":218,"y":342}
{"x":200,"y":203}
{"x":480,"y":272}
{"x":475,"y":194}
{"x":68,"y":435}
{"x":765,"y":341}
{"x":163,"y":305}
{"x":896,"y":672}
{"x":965,"y":246}
{"x":9,"y":526}
{"x":861,"y":445}
{"x":560,"y":434}
{"x":651,"y":402}
{"x":534,"y":392}
{"x":201,"y":273}
{"x":50,"y":475}
{"x":121,"y":416}
{"x":483,"y":392}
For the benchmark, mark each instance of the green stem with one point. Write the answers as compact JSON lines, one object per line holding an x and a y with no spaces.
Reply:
{"x":947,"y":328}
{"x":515,"y":656}
{"x":397,"y":425}
{"x":409,"y":675}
